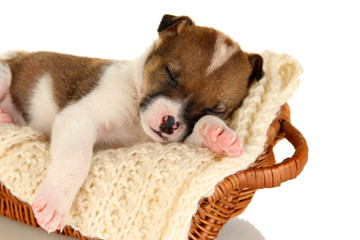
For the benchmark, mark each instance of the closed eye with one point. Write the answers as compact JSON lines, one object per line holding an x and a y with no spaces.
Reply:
{"x":212,"y":111}
{"x":217,"y":109}
{"x":172,"y":80}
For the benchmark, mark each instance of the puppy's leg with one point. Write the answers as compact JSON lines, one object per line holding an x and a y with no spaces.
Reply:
{"x":212,"y":132}
{"x":73,"y":137}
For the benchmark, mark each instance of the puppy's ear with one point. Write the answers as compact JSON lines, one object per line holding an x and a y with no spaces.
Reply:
{"x":256,"y":63}
{"x":171,"y":26}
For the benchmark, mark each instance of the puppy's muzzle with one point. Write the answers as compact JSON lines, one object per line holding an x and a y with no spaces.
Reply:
{"x":168,"y":125}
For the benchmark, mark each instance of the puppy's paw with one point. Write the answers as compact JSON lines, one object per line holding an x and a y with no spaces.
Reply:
{"x":221,"y":140}
{"x":217,"y":136}
{"x":4,"y":117}
{"x":51,"y":208}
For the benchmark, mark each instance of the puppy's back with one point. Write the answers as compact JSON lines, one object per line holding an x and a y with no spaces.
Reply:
{"x":71,"y":77}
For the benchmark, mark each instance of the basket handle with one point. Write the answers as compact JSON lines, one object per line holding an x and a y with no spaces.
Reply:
{"x":268,"y":177}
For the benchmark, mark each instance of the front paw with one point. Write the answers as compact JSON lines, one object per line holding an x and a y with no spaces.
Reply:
{"x":221,"y":140}
{"x":51,"y":208}
{"x":212,"y":132}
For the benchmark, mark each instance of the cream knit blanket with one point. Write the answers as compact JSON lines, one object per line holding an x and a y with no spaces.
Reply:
{"x":150,"y":191}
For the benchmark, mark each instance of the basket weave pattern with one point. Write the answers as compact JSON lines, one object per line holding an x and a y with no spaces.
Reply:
{"x":231,"y":196}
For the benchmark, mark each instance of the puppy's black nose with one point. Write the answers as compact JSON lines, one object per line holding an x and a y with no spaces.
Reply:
{"x":168,"y":125}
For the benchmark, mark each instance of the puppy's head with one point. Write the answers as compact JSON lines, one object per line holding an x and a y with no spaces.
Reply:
{"x":192,"y":71}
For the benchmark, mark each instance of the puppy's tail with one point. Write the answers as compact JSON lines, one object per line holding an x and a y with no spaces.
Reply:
{"x":5,"y":77}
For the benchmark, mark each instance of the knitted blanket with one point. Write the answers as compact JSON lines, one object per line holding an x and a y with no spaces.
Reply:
{"x":151,"y":190}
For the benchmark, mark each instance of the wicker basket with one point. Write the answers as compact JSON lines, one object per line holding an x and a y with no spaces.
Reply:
{"x":231,"y":196}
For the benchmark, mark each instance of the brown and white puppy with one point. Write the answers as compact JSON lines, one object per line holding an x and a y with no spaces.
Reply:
{"x":180,"y":90}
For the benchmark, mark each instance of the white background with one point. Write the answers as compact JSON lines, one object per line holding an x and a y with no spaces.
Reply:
{"x":323,"y":202}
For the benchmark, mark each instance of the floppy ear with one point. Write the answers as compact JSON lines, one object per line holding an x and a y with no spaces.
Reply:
{"x":171,"y":26}
{"x":256,"y":63}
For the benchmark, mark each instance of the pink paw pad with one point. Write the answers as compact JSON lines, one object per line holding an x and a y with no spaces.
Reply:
{"x":48,"y":217}
{"x":4,"y":118}
{"x":222,"y":140}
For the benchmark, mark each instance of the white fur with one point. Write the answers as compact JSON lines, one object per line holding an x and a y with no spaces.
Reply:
{"x":113,"y":106}
{"x":5,"y":80}
{"x":43,"y":108}
{"x":5,"y":98}
{"x":221,"y":54}
{"x":151,"y":118}
{"x":5,"y":76}
{"x":8,"y":55}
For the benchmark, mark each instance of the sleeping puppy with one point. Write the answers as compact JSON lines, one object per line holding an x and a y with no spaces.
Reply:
{"x":180,"y":90}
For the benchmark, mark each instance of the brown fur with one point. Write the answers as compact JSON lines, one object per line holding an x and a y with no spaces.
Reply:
{"x":187,"y":54}
{"x":72,"y":76}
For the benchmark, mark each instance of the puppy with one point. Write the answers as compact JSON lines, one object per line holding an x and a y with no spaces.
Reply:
{"x":180,"y":90}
